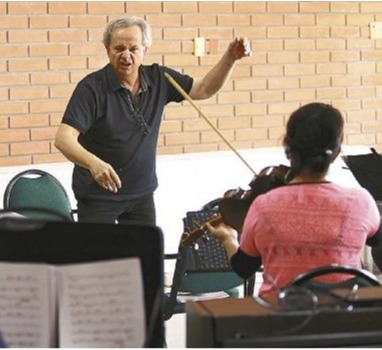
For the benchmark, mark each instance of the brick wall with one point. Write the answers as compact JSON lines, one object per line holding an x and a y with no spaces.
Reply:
{"x":303,"y":51}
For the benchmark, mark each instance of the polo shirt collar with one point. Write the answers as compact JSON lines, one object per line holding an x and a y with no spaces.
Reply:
{"x":115,"y":85}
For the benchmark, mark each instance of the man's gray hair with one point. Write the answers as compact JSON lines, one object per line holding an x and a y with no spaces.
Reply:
{"x":127,"y":22}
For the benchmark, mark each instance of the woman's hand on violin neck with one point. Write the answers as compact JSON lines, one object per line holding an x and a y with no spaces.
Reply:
{"x":227,"y":236}
{"x":222,"y":232}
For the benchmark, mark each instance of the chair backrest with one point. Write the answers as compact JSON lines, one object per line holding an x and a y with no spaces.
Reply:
{"x":362,"y":278}
{"x":35,"y":193}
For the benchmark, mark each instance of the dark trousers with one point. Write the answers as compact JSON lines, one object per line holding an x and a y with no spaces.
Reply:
{"x":137,"y":211}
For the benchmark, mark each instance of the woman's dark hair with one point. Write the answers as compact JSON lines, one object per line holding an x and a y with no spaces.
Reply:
{"x":314,"y":134}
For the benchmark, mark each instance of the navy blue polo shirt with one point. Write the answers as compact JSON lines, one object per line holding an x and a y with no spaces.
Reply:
{"x":121,"y":129}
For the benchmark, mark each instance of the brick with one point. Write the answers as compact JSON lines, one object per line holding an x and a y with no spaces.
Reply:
{"x":330,"y":19}
{"x":345,"y":6}
{"x":48,"y":158}
{"x":67,"y":7}
{"x":281,"y":107}
{"x":144,"y":7}
{"x":371,"y":7}
{"x":361,"y":67}
{"x":61,"y":91}
{"x":29,"y":7}
{"x":282,"y":6}
{"x":4,"y":122}
{"x":29,"y":120}
{"x":282,"y":32}
{"x":28,"y":64}
{"x":314,"y":6}
{"x":4,"y":150}
{"x":249,"y":6}
{"x":14,"y":79}
{"x":331,"y":93}
{"x":48,"y":50}
{"x":24,"y":148}
{"x":345,"y":32}
{"x":109,"y":7}
{"x":171,"y":126}
{"x":182,"y":7}
{"x":300,"y":19}
{"x":359,"y":19}
{"x":299,"y":45}
{"x":302,"y":95}
{"x":87,"y":49}
{"x":14,"y":161}
{"x":199,"y":20}
{"x":48,"y":21}
{"x":211,"y":136}
{"x":14,"y":135}
{"x":28,"y":93}
{"x":49,"y":78}
{"x":360,"y":92}
{"x":44,"y":133}
{"x":166,"y":20}
{"x":268,"y":121}
{"x":234,"y":97}
{"x":283,"y":57}
{"x":12,"y":108}
{"x":14,"y":22}
{"x":87,"y":21}
{"x":234,"y":123}
{"x":200,"y":148}
{"x":299,"y":69}
{"x":252,"y":109}
{"x":331,"y":68}
{"x":345,"y":56}
{"x":315,"y":56}
{"x":360,"y":116}
{"x":67,"y":35}
{"x":67,"y":62}
{"x":283,"y":83}
{"x":331,"y":44}
{"x":14,"y":50}
{"x":177,"y":139}
{"x":346,"y":81}
{"x":234,"y":20}
{"x":314,"y":81}
{"x":45,"y":106}
{"x":314,"y":32}
{"x":28,"y":36}
{"x":170,"y":150}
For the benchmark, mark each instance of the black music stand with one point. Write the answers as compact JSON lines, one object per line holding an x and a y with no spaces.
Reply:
{"x":25,"y":240}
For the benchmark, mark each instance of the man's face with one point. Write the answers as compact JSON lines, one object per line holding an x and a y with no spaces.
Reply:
{"x":126,"y":51}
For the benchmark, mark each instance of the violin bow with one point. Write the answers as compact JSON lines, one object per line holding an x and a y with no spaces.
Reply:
{"x":189,"y":99}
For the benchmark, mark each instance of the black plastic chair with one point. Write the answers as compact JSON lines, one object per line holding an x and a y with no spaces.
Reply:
{"x":36,"y":194}
{"x":362,"y":278}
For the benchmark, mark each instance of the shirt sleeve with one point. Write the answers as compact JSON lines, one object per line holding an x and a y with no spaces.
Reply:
{"x":184,"y":81}
{"x":244,"y":265}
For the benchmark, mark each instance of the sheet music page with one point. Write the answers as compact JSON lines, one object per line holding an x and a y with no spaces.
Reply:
{"x":25,"y":305}
{"x":101,"y":304}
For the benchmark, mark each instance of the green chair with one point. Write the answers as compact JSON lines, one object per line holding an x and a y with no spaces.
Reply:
{"x":190,"y":283}
{"x":36,"y":194}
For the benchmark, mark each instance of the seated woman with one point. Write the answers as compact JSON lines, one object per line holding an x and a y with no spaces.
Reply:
{"x":309,"y":222}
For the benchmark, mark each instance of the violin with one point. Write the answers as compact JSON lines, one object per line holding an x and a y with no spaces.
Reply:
{"x":234,"y":205}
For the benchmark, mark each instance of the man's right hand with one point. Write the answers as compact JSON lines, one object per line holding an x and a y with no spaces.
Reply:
{"x":104,"y":174}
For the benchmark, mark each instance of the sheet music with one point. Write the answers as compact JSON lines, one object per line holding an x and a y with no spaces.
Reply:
{"x":24,"y":308}
{"x":102,"y":305}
